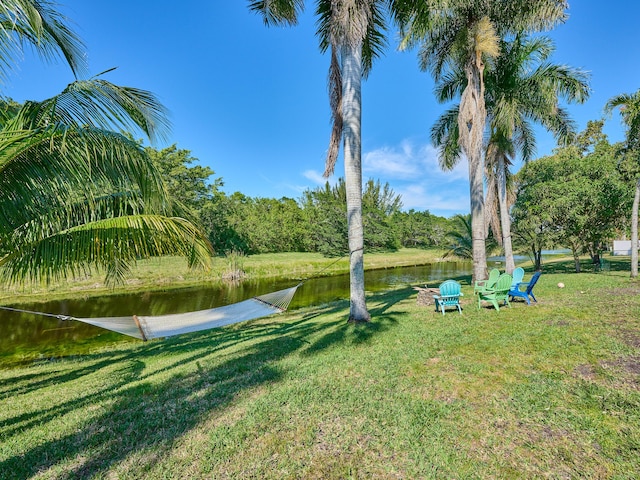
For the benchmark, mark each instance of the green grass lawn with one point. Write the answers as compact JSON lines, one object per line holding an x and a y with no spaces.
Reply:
{"x":546,"y":391}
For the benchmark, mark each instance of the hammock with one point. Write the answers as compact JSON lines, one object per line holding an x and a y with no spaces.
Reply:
{"x":148,"y":327}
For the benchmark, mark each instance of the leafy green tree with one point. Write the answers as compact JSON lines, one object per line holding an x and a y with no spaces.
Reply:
{"x":379,"y":204}
{"x":325,"y":209}
{"x":416,"y":229}
{"x":221,"y":217}
{"x":629,"y":106}
{"x":464,"y":35}
{"x":353,"y":30}
{"x":187,"y":184}
{"x":577,"y":200}
{"x":271,"y":225}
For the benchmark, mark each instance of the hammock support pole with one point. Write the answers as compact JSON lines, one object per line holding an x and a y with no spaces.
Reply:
{"x":137,"y":320}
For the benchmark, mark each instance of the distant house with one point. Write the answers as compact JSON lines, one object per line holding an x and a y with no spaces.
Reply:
{"x":622,"y":247}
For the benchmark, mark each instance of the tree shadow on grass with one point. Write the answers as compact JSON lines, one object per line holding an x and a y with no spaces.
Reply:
{"x":147,"y":396}
{"x":359,"y":333}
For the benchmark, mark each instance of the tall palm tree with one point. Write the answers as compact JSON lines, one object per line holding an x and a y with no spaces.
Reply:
{"x":73,"y":193}
{"x":467,"y":33}
{"x":524,"y":87}
{"x":629,"y":105}
{"x":353,"y":31}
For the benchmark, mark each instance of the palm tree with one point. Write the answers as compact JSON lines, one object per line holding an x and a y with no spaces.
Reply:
{"x":466,"y":33}
{"x":73,"y":193}
{"x":461,"y":238}
{"x":524,"y":87}
{"x":353,"y":31}
{"x":629,"y":105}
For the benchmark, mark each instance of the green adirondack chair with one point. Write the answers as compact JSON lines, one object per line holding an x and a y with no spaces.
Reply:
{"x":499,"y":293}
{"x":449,"y":296}
{"x":488,"y":283}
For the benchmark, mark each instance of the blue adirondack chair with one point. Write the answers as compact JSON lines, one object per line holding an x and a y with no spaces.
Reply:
{"x":449,"y":296}
{"x":525,"y":289}
{"x":498,"y":293}
{"x":488,"y":283}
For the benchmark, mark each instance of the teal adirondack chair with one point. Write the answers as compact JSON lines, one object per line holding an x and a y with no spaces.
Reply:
{"x":488,"y":283}
{"x":518,"y":275}
{"x":499,"y":293}
{"x":449,"y":296}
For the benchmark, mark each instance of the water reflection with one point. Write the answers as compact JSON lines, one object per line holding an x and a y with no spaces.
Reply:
{"x":25,"y":336}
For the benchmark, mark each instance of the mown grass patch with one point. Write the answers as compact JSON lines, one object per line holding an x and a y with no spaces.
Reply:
{"x":550,"y":390}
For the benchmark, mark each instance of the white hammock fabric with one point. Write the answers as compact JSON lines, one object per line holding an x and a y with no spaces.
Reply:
{"x":149,"y":327}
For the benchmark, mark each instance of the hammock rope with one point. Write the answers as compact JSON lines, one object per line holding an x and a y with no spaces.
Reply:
{"x":161,"y":326}
{"x":149,"y":327}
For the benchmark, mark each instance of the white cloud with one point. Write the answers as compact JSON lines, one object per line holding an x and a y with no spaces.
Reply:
{"x":408,"y":162}
{"x":412,"y":171}
{"x":315,"y":176}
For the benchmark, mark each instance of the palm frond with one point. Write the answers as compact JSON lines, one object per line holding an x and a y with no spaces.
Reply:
{"x":445,"y":135}
{"x":278,"y":12}
{"x":335,"y":101}
{"x":629,"y":105}
{"x":112,"y":244}
{"x":42,"y":26}
{"x":98,"y":104}
{"x":54,"y":167}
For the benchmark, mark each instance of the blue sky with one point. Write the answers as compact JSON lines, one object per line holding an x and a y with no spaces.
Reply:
{"x":251,"y":102}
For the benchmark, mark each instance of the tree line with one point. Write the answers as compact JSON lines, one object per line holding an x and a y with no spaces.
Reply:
{"x":315,"y":222}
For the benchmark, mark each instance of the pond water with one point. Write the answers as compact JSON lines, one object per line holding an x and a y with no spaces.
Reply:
{"x":25,"y":337}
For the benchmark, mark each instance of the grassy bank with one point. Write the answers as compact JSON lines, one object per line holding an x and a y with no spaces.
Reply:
{"x":546,"y":391}
{"x":173,"y":272}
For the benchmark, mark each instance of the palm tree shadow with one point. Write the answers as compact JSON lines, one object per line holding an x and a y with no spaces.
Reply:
{"x":359,"y":333}
{"x":156,"y":392}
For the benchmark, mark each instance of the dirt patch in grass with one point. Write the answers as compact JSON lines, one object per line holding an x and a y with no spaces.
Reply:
{"x":630,"y":337}
{"x":623,"y":291}
{"x":623,"y":371}
{"x":627,"y":370}
{"x":586,"y":371}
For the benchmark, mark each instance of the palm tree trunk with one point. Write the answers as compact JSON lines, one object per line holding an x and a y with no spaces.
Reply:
{"x":634,"y":231}
{"x":505,"y":219}
{"x":471,"y":122}
{"x":351,"y":113}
